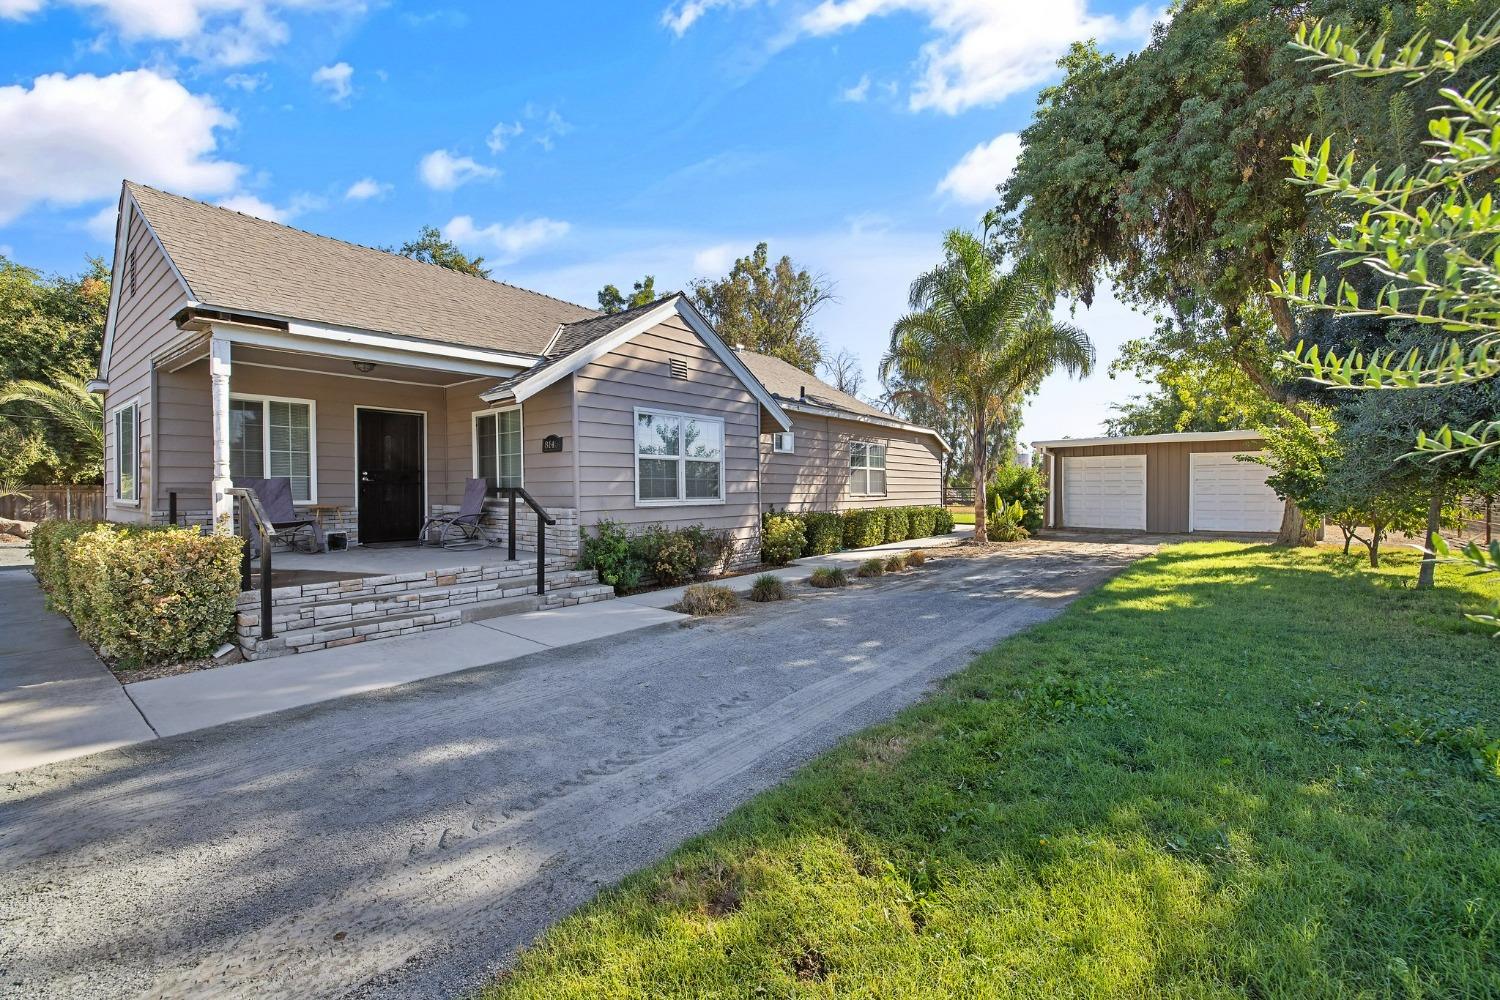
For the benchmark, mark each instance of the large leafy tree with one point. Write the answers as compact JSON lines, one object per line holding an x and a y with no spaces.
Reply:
{"x":51,"y":331}
{"x":612,"y":300}
{"x":431,"y":248}
{"x":767,"y":307}
{"x":980,"y":337}
{"x":1193,"y":390}
{"x":1162,"y":172}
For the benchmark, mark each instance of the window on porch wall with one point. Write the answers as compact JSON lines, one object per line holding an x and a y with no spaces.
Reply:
{"x":271,"y":438}
{"x":497,"y":448}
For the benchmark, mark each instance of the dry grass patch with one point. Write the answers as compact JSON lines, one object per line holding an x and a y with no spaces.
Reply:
{"x":703,"y":600}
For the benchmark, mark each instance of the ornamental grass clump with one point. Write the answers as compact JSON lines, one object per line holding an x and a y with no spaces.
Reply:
{"x":870,"y":567}
{"x":768,"y":587}
{"x":916,"y":557}
{"x":827,"y":577}
{"x":895,"y":563}
{"x":702,"y":600}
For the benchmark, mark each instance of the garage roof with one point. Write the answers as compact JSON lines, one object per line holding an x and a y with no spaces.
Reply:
{"x":1184,"y":436}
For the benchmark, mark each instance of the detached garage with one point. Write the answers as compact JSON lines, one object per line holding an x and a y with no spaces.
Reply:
{"x":1159,"y":483}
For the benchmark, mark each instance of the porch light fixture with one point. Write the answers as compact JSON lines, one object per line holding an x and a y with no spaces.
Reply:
{"x":364,"y":366}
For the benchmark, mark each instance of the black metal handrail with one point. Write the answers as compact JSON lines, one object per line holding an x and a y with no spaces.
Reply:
{"x":252,"y":513}
{"x":543,"y":520}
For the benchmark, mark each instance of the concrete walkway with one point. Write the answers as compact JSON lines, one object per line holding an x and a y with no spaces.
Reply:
{"x":206,"y":698}
{"x":56,"y":699}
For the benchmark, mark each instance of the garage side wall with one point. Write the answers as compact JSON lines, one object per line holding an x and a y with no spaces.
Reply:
{"x":1167,"y":477}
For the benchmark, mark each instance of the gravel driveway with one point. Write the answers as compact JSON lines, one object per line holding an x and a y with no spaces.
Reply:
{"x":406,"y":843}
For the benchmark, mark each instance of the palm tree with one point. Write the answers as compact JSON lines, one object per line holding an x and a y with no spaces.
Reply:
{"x":66,"y":402}
{"x":981,"y":337}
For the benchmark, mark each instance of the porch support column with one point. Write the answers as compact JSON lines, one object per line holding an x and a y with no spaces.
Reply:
{"x":218,"y":372}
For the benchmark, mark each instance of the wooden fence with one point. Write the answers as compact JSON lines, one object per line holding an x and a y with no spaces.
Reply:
{"x":37,"y":503}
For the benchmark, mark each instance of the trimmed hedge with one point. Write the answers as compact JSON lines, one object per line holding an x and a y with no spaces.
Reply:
{"x":669,"y":556}
{"x":829,"y":531}
{"x":782,"y":539}
{"x":142,"y":595}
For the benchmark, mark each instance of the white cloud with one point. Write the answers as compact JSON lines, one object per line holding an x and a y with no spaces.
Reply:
{"x":71,"y":139}
{"x":711,"y":262}
{"x":249,"y":204}
{"x":366,"y":188}
{"x":228,"y":32}
{"x":248,"y":82}
{"x":442,"y":171}
{"x":337,"y":80}
{"x":981,"y":51}
{"x":501,"y":134}
{"x":509,"y":241}
{"x":547,"y":124}
{"x":974,"y":178}
{"x":857,"y":93}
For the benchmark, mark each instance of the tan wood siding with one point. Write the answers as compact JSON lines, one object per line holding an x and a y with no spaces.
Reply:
{"x":636,"y":374}
{"x":1167,"y":477}
{"x":548,"y":477}
{"x":816,"y":475}
{"x":143,"y":329}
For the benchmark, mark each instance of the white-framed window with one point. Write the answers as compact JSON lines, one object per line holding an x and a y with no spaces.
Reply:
{"x":497,"y":447}
{"x":866,"y":469}
{"x":127,"y":454}
{"x":784,"y":443}
{"x":271,"y":437}
{"x":679,"y":458}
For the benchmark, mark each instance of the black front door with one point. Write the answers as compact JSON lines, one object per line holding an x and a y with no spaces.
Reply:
{"x":390,"y":475}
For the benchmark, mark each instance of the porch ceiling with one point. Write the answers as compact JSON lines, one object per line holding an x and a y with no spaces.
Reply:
{"x":321,"y":364}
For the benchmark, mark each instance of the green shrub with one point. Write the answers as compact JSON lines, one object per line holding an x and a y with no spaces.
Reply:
{"x":863,"y":527}
{"x":704,"y":599}
{"x":768,"y":587}
{"x":870,"y":567}
{"x":668,"y":555}
{"x":916,"y":557}
{"x":609,"y":552}
{"x":715,"y":549}
{"x":895,"y":563}
{"x":923,"y":521}
{"x":48,"y":563}
{"x":942,"y":523}
{"x":781,"y":540}
{"x":825,"y":533}
{"x":897,"y":524}
{"x":1007,"y":526}
{"x":143,"y":595}
{"x":825,"y":576}
{"x":1018,"y":484}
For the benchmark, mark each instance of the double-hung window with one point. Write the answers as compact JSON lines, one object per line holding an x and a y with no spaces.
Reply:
{"x":271,"y":438}
{"x":866,"y":469}
{"x":127,"y":454}
{"x":497,"y":447}
{"x":679,"y":458}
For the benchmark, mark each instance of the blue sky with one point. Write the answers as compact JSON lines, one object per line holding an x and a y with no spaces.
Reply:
{"x":571,"y":144}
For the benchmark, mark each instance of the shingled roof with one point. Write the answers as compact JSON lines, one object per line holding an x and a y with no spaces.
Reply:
{"x":574,"y":337}
{"x":786,"y":382}
{"x":240,"y":263}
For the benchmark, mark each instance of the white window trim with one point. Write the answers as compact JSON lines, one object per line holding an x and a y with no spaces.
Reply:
{"x":265,"y":444}
{"x":886,"y":468}
{"x":134,"y":406}
{"x":636,"y":456}
{"x":778,"y":436}
{"x":474,"y":439}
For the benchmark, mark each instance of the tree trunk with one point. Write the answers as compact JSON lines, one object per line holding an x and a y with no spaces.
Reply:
{"x":1295,"y":529}
{"x":981,"y":528}
{"x":1427,"y":575}
{"x":1375,"y":540}
{"x":1348,"y":537}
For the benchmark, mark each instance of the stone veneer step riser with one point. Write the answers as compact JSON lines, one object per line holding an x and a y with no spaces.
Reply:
{"x":400,"y":582}
{"x":348,"y":632}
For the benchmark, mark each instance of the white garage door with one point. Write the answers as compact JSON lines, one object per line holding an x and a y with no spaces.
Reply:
{"x":1228,"y":495}
{"x":1104,"y":491}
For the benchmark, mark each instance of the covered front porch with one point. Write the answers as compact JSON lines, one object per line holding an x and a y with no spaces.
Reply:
{"x":373,"y":439}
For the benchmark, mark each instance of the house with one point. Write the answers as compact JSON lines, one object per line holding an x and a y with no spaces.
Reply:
{"x":237,"y":347}
{"x":1191,"y":481}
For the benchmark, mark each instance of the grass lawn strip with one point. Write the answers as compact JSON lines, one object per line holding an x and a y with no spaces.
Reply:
{"x":1231,"y":771}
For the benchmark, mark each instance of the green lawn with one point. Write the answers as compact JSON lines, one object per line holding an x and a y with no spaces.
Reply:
{"x":1234,"y":771}
{"x":962,"y":515}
